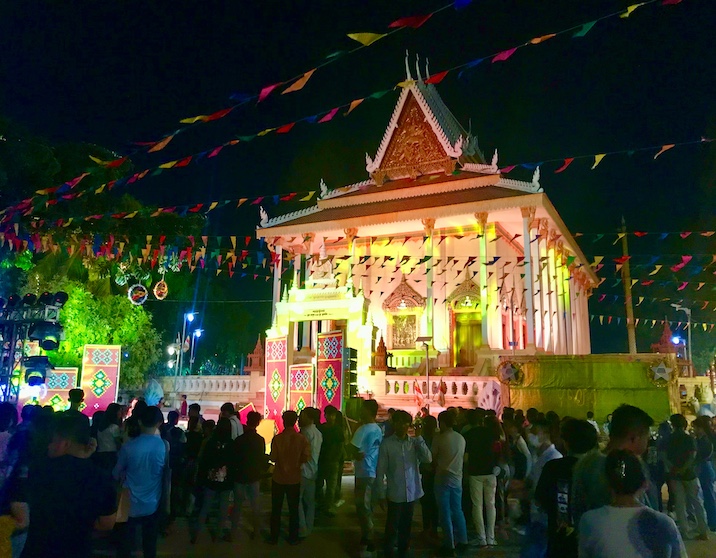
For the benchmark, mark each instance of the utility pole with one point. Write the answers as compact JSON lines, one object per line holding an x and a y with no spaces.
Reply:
{"x":628,"y":302}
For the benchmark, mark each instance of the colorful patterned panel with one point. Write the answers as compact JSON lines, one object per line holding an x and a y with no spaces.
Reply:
{"x":100,"y":376}
{"x":329,"y":370}
{"x":54,"y":391}
{"x":276,"y":377}
{"x":300,"y":386}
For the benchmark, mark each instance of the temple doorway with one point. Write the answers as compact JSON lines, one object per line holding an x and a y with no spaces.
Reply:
{"x":468,"y":337}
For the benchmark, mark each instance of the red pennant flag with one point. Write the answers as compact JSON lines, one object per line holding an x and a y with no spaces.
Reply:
{"x":504,"y":55}
{"x":647,"y":283}
{"x":437,"y":78}
{"x":670,"y":2}
{"x":183,"y":162}
{"x":258,"y":200}
{"x":640,"y":233}
{"x":508,"y":169}
{"x":686,"y":234}
{"x":219,"y":114}
{"x":410,"y":21}
{"x":682,"y":286}
{"x":266,"y":91}
{"x":214,"y":152}
{"x":567,"y":162}
{"x":622,"y":260}
{"x":329,"y":116}
{"x":286,"y":128}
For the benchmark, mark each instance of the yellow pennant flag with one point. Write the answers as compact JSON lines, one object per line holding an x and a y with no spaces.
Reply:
{"x":619,"y":237}
{"x":309,"y":196}
{"x":598,"y":159}
{"x":266,"y":131}
{"x":212,"y":206}
{"x":168,"y":165}
{"x":630,"y":9}
{"x":300,"y":83}
{"x":354,"y":104}
{"x":663,"y":149}
{"x":161,"y":144}
{"x":657,"y":268}
{"x":193,"y":119}
{"x":132,"y":215}
{"x":366,"y":39}
{"x":100,"y":189}
{"x":543,"y":38}
{"x":405,"y":84}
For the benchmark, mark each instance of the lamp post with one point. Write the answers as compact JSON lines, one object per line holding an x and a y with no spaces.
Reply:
{"x":688,"y":336}
{"x":425,"y":340}
{"x":188,"y":318}
{"x":195,"y":338}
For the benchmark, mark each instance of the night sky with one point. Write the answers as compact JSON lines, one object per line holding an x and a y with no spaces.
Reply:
{"x":115,"y":72}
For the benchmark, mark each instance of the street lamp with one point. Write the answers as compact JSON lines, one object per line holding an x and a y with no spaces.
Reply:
{"x":196,"y":335}
{"x":688,"y":325}
{"x":188,"y":318}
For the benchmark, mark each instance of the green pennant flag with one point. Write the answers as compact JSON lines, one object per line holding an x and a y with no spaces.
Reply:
{"x":586,"y":28}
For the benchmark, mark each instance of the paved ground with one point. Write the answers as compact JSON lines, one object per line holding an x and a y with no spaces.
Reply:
{"x":335,"y":538}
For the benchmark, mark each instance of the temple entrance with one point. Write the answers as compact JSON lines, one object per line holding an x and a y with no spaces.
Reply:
{"x":468,"y":338}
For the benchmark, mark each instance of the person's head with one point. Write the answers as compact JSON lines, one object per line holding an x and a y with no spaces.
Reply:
{"x":532,"y":414}
{"x":508,"y":413}
{"x":679,"y":422}
{"x":629,"y":429}
{"x":330,"y":414}
{"x":113,"y":414}
{"x":430,"y":425}
{"x":664,"y":429}
{"x":222,"y":431}
{"x":390,"y":413}
{"x":208,"y":427}
{"x":494,"y":426}
{"x":579,"y":436}
{"x":98,"y":422}
{"x":8,"y":416}
{"x":702,"y":426}
{"x":590,"y":415}
{"x":183,"y":397}
{"x":172,"y":418}
{"x":520,"y":416}
{"x":369,"y":410}
{"x":76,"y":397}
{"x":539,"y":434}
{"x":194,"y":410}
{"x":446,"y":420}
{"x":151,"y":419}
{"x":48,"y":409}
{"x":228,"y":410}
{"x":401,"y":423}
{"x":71,"y":434}
{"x":253,"y":419}
{"x":139,"y":407}
{"x":609,"y":417}
{"x":552,"y":417}
{"x":625,"y":474}
{"x":306,"y":418}
{"x":28,"y":413}
{"x":289,"y":419}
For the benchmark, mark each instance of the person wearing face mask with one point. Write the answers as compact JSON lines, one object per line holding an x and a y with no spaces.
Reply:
{"x":629,"y":430}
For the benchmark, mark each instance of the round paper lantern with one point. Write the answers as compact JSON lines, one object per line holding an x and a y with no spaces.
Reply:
{"x":161,"y":290}
{"x":137,"y":294}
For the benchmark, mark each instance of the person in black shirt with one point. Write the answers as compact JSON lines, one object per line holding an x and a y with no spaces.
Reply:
{"x":481,"y":464}
{"x":330,"y":460}
{"x":704,"y":466}
{"x":251,"y":462}
{"x":554,"y":488}
{"x":68,"y":494}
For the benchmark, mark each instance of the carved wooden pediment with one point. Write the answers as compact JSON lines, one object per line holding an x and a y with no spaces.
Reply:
{"x":414,"y":149}
{"x":466,"y":292}
{"x":403,"y":297}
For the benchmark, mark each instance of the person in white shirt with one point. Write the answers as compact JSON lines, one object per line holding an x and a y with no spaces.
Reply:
{"x":590,"y":420}
{"x":627,"y":528}
{"x":399,"y":460}
{"x":363,"y":449}
{"x":309,"y":471}
{"x":229,"y":411}
{"x":448,"y":451}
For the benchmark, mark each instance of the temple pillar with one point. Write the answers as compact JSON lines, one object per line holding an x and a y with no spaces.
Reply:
{"x":528,"y":215}
{"x":482,"y":232}
{"x":537,"y":284}
{"x":574,"y":298}
{"x":428,"y":228}
{"x":546,"y":283}
{"x":494,"y":302}
{"x":553,"y":293}
{"x":351,"y":236}
{"x":561,"y":309}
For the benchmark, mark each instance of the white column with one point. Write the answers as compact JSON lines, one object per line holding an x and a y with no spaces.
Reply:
{"x":482,"y":231}
{"x":559,"y":284}
{"x":537,"y":288}
{"x":494,"y":302}
{"x":428,"y":226}
{"x":546,"y":285}
{"x":528,"y":214}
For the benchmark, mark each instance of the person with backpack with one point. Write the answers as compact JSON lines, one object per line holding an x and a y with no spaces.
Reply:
{"x":215,"y":479}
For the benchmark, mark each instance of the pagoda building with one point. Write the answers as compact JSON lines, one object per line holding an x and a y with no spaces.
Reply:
{"x":435,"y":257}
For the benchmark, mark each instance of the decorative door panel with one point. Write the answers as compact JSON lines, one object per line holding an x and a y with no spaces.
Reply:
{"x":329,"y":370}
{"x":300,"y":386}
{"x":100,"y":376}
{"x":276,"y":379}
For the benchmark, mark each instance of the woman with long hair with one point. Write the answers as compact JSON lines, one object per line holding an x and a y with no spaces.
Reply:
{"x":214,"y":478}
{"x":704,"y":466}
{"x":109,"y":437}
{"x":627,"y":528}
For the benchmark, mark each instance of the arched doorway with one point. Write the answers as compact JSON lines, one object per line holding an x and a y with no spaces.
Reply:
{"x":465,"y":323}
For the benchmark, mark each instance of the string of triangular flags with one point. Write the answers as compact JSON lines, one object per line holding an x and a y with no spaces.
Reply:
{"x":648,"y":322}
{"x":596,"y":237}
{"x":639,"y":300}
{"x":321,"y":117}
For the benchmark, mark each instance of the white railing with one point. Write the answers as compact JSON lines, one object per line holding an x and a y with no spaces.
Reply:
{"x":457,"y":386}
{"x":212,"y":384}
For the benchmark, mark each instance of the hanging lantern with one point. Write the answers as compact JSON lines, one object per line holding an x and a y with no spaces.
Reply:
{"x":137,"y":294}
{"x":161,"y":290}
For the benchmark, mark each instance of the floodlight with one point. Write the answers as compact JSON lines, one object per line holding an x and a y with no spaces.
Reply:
{"x":36,"y":369}
{"x":29,"y":299}
{"x":198,"y":332}
{"x":49,"y":334}
{"x":46,"y":298}
{"x":13,"y":301}
{"x":60,"y":299}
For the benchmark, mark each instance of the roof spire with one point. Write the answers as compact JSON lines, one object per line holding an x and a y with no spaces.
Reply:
{"x":427,"y":68}
{"x":417,"y":67}
{"x":408,"y":76}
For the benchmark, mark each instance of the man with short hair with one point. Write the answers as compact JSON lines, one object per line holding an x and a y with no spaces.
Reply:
{"x":68,"y":495}
{"x":448,"y":451}
{"x":330,"y":462}
{"x":684,"y":484}
{"x":590,"y":420}
{"x":399,"y":462}
{"x":140,"y":468}
{"x":289,"y":450}
{"x":309,"y":471}
{"x":629,"y":431}
{"x":363,"y":449}
{"x":76,"y":397}
{"x":229,"y":411}
{"x":251,"y":463}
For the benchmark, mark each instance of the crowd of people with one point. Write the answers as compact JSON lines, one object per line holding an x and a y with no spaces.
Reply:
{"x":568,"y":486}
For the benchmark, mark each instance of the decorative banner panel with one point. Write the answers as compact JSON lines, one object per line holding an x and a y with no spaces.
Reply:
{"x":329,"y":370}
{"x":300,"y":386}
{"x":54,"y":391}
{"x":276,"y":379}
{"x":100,"y":376}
